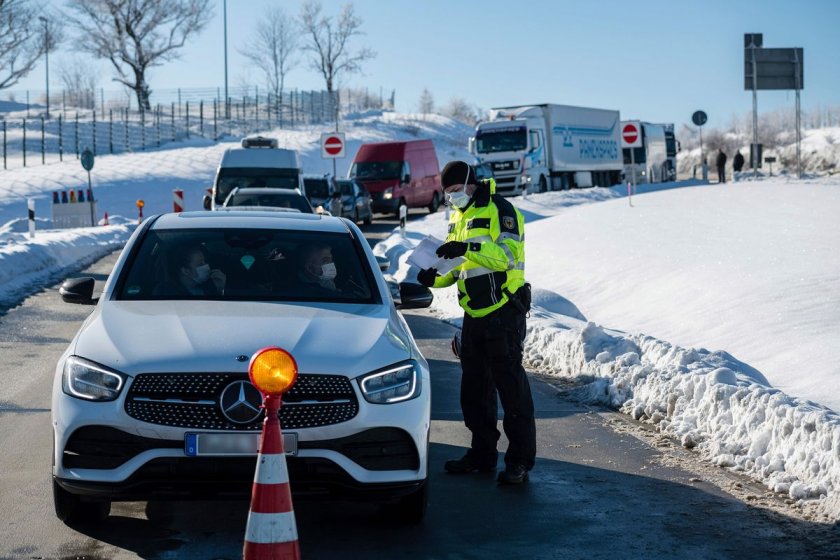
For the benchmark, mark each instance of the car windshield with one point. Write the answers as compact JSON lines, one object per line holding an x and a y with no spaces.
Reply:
{"x":317,"y":188}
{"x":345,"y":188}
{"x":247,"y":265}
{"x":275,"y":200}
{"x":376,"y":170}
{"x":254,"y":178}
{"x":511,"y":139}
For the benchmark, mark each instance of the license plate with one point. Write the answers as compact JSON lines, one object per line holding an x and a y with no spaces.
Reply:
{"x":231,"y":445}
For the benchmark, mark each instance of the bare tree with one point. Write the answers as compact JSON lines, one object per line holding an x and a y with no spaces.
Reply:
{"x":79,"y":80}
{"x":427,"y":102}
{"x":135,"y":35}
{"x":327,"y":39}
{"x":459,"y":109}
{"x":272,"y":49}
{"x":21,"y":40}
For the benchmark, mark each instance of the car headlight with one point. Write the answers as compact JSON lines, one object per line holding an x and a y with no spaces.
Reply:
{"x":388,"y":193}
{"x":86,"y":380}
{"x":393,"y":385}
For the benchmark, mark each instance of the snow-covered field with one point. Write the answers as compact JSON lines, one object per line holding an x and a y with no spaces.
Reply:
{"x":746,"y":270}
{"x":728,"y":301}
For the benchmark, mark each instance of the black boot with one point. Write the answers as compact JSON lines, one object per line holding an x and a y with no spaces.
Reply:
{"x":467,"y":464}
{"x":513,"y":474}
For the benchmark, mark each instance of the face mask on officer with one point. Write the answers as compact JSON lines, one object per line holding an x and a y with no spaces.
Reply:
{"x":459,"y":198}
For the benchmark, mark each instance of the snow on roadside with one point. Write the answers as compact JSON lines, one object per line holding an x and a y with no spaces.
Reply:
{"x":29,"y":264}
{"x":710,"y":401}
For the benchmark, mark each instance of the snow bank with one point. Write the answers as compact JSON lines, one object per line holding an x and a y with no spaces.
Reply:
{"x":27,"y":264}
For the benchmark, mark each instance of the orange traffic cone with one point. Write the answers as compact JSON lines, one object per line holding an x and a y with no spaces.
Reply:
{"x":105,"y":220}
{"x":271,"y":532}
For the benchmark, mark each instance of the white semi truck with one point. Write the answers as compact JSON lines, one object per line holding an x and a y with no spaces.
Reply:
{"x":647,"y":161}
{"x":672,"y":148}
{"x":547,"y":146}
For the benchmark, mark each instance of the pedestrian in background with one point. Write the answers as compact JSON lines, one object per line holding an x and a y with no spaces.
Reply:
{"x":738,"y":162}
{"x":721,"y":165}
{"x":489,"y":232}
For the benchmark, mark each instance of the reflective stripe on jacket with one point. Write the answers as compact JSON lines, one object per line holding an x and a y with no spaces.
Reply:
{"x":495,"y":257}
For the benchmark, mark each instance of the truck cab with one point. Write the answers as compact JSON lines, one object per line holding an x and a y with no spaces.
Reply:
{"x":672,"y":148}
{"x":257,"y":163}
{"x":514,"y":149}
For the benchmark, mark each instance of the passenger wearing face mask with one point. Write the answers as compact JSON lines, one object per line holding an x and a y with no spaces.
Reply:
{"x":318,"y":268}
{"x":193,"y":276}
{"x":489,"y":232}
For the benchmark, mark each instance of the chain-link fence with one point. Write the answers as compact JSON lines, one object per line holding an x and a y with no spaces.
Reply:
{"x":31,"y":136}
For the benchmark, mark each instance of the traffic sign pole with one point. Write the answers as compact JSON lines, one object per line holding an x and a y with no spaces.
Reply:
{"x":630,"y":135}
{"x":87,"y":160}
{"x":90,"y":201}
{"x":332,"y":146}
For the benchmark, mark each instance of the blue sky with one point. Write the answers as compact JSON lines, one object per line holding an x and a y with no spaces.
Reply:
{"x":651,"y":59}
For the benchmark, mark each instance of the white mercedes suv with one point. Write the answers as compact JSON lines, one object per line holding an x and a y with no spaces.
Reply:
{"x":152,"y":398}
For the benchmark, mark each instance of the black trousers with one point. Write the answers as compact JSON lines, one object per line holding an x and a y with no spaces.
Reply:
{"x":721,"y":174}
{"x":491,"y":363}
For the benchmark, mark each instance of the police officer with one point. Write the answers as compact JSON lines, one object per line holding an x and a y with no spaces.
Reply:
{"x":488,"y":232}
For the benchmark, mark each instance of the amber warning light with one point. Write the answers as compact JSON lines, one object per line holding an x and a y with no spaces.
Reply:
{"x":273,"y":371}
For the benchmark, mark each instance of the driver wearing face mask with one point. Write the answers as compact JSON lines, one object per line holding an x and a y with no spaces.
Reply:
{"x":196,"y":277}
{"x":318,"y":267}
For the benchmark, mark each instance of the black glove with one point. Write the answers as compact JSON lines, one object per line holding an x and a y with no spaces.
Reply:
{"x":452,"y":249}
{"x":427,"y":276}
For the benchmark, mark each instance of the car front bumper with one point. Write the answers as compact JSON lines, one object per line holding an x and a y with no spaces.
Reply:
{"x":382,"y":449}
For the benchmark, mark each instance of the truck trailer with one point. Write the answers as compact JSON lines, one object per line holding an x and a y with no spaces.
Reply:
{"x":535,"y":148}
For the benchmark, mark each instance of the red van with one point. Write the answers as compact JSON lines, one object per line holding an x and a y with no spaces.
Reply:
{"x":397,"y":173}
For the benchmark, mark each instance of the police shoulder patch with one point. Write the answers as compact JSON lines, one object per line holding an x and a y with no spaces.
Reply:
{"x":508,"y":222}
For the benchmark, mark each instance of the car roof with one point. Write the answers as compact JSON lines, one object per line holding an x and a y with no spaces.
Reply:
{"x":279,"y":158}
{"x":253,"y":219}
{"x":269,"y":190}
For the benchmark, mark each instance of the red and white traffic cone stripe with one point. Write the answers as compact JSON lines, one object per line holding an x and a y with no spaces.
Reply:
{"x":271,"y":532}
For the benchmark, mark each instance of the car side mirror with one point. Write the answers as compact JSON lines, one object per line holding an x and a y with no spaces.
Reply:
{"x":414,"y":296}
{"x":384,"y":263}
{"x":206,"y":202}
{"x":78,"y":290}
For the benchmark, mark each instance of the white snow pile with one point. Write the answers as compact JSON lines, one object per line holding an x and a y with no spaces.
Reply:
{"x":648,"y":268}
{"x":29,"y":264}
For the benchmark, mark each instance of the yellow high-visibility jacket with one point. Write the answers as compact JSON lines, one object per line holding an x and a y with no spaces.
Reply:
{"x":495,"y":258}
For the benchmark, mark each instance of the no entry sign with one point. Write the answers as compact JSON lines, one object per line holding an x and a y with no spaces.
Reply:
{"x":631,"y":136}
{"x":332,"y":145}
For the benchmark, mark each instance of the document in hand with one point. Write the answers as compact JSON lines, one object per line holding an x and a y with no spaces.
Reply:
{"x":424,"y":256}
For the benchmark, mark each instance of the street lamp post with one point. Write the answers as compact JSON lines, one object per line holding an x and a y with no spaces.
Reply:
{"x":47,"y":54}
{"x":227,"y":106}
